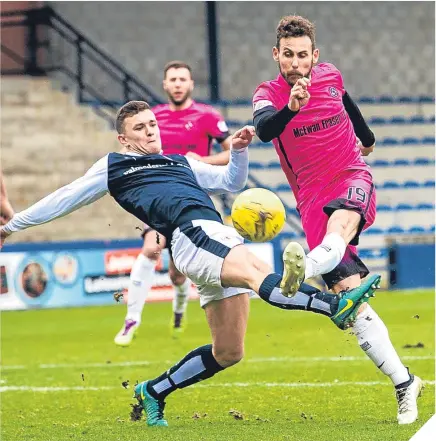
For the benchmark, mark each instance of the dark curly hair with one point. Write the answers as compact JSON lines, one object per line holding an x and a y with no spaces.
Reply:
{"x":295,"y":26}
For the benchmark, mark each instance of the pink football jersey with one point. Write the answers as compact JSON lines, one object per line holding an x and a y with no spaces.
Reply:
{"x":319,"y":142}
{"x":191,"y":129}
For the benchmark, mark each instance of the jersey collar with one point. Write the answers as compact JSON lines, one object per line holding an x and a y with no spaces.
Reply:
{"x":282,"y":82}
{"x":139,"y":154}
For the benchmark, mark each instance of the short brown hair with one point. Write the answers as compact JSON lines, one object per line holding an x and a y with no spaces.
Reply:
{"x":295,"y":26}
{"x":176,"y":64}
{"x":127,"y":110}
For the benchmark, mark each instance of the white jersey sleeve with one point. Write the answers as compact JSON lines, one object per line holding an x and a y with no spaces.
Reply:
{"x":216,"y":179}
{"x":83,"y":191}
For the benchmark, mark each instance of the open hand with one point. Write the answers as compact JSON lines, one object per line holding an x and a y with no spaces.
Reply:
{"x":242,"y":137}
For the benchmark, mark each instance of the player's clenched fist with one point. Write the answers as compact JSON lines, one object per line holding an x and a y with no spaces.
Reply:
{"x":299,"y":94}
{"x":242,"y":137}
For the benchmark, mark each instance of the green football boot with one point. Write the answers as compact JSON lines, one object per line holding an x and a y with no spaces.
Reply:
{"x":154,"y":409}
{"x":349,"y":301}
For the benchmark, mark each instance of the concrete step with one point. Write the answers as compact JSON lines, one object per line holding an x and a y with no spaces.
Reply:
{"x":11,"y":113}
{"x":36,"y":98}
{"x":25,"y":84}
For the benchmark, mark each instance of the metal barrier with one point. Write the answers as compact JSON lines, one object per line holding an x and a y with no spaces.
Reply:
{"x":42,"y":28}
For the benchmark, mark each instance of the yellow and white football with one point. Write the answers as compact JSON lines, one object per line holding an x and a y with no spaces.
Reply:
{"x":258,"y":214}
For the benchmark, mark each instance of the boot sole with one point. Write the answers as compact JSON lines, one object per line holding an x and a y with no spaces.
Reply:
{"x":294,"y":267}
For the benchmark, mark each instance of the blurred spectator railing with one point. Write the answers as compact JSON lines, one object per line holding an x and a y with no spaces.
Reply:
{"x":43,"y":30}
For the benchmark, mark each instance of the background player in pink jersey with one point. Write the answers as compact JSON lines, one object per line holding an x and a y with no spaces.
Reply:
{"x":320,"y":137}
{"x":186,"y":128}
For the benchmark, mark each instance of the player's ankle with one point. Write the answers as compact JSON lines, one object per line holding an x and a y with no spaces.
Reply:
{"x":133,"y":317}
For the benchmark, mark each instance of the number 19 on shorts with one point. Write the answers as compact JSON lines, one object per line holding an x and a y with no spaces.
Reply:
{"x":357,"y":193}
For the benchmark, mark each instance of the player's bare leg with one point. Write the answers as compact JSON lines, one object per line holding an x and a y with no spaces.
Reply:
{"x":182,"y":287}
{"x":140,"y":283}
{"x":342,"y":227}
{"x":244,"y":269}
{"x":227,"y":319}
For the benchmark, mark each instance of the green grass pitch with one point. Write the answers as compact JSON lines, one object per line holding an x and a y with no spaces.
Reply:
{"x":302,"y":379}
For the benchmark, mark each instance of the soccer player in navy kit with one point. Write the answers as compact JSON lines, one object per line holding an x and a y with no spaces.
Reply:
{"x":170,"y":193}
{"x":186,"y":128}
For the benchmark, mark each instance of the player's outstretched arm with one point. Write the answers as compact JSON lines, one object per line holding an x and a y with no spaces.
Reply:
{"x":82,"y":191}
{"x":232,"y":177}
{"x":221,"y":158}
{"x":361,"y":129}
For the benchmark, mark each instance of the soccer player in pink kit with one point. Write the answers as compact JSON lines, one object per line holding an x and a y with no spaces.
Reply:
{"x":320,"y":137}
{"x":186,"y":128}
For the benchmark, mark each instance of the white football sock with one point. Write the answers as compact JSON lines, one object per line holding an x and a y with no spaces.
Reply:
{"x":326,"y":256}
{"x":180,"y":300}
{"x":141,"y":280}
{"x":373,"y":337}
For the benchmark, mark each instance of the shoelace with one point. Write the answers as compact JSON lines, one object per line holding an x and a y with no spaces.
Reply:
{"x":404,"y":398}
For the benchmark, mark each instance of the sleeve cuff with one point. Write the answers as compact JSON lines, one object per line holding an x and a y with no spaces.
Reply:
{"x":237,"y":151}
{"x":6,"y":229}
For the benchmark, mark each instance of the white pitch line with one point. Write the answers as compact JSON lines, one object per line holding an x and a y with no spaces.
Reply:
{"x":98,"y":365}
{"x":298,"y":384}
{"x":53,"y":389}
{"x":13,"y":367}
{"x":217,"y":385}
{"x":330,"y":359}
{"x":166,"y":362}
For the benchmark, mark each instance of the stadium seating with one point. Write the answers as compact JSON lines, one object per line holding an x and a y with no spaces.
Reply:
{"x":47,"y":141}
{"x":258,"y":23}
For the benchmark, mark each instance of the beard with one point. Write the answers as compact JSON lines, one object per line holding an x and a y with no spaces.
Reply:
{"x":292,"y":77}
{"x":179,"y":101}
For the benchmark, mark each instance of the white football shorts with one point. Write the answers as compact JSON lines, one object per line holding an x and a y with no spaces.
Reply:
{"x":198,"y":249}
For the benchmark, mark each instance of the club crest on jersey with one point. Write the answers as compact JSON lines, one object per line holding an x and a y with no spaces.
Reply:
{"x":333,"y":92}
{"x":189,"y":125}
